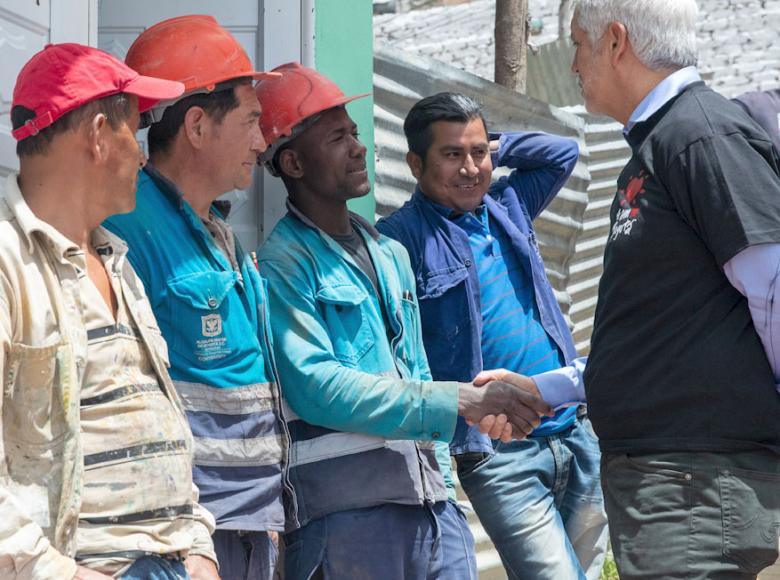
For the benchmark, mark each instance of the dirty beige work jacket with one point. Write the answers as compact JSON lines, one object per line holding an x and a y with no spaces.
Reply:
{"x":43,"y":349}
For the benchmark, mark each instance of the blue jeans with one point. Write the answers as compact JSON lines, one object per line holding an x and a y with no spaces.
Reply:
{"x":156,"y":568}
{"x":244,"y":555}
{"x":540,"y":502}
{"x":387,"y":542}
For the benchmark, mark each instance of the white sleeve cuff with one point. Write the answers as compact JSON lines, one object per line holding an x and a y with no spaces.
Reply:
{"x":563,"y":387}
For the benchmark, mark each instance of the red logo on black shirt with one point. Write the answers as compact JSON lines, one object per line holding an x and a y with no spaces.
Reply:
{"x":628,"y":200}
{"x":629,"y":197}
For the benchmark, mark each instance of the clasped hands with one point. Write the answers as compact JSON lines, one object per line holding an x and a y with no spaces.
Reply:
{"x":504,"y":404}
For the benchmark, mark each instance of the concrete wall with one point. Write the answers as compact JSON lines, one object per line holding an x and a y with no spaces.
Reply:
{"x":343,"y":52}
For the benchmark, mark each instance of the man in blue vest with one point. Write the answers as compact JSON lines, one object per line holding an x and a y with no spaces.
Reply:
{"x":485,"y":302}
{"x":369,"y":428}
{"x":205,"y":289}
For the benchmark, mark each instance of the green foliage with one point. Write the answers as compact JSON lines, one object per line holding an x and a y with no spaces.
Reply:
{"x":609,"y":571}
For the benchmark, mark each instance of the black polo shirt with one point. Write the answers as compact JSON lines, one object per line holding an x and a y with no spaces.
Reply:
{"x":676,"y":363}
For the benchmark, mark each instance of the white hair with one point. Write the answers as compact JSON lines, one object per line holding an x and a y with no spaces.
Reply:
{"x":662,"y":32}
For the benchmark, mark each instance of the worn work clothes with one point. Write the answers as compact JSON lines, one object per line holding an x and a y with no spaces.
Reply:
{"x":156,"y":568}
{"x":387,"y":542}
{"x":130,"y":435}
{"x":216,"y":325}
{"x":42,"y":360}
{"x":358,"y":400}
{"x":245,"y":555}
{"x":671,"y":334}
{"x":446,"y":276}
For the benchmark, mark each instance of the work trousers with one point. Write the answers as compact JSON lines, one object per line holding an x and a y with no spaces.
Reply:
{"x":693,"y":516}
{"x":386,"y":542}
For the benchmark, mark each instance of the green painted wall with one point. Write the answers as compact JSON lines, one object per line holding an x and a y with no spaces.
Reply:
{"x":344,"y":52}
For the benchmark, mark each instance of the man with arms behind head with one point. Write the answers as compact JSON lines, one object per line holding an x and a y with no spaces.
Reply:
{"x":485,"y":302}
{"x":683,"y":372}
{"x":369,"y":427}
{"x":90,"y":417}
{"x":205,"y":289}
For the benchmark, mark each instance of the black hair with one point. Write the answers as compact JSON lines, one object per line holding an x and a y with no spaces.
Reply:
{"x":452,"y":107}
{"x":217,"y":104}
{"x":116,"y":108}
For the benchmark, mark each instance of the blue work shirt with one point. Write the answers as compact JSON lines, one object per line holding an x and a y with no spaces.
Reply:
{"x":446,"y":276}
{"x":215,"y":320}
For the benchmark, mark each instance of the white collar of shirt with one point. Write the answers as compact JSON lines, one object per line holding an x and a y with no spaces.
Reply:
{"x":661,"y":94}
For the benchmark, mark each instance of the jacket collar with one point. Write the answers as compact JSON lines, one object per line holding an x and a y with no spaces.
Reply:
{"x":30,"y":224}
{"x":354,"y":218}
{"x":220,"y":206}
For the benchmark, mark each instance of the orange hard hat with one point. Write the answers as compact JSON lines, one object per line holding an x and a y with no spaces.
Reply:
{"x":297,"y":95}
{"x":194,"y":50}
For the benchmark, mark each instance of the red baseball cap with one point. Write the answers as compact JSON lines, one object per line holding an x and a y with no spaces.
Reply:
{"x":63,"y":77}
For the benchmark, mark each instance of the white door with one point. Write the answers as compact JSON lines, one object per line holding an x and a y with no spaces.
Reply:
{"x":25,"y":28}
{"x":269,"y":31}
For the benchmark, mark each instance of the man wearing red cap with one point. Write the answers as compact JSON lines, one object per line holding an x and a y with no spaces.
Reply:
{"x":370,"y":429}
{"x":205,"y":289}
{"x":95,"y":469}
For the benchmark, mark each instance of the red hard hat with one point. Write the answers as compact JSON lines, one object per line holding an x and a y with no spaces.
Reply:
{"x":194,"y":50}
{"x":298,"y":93}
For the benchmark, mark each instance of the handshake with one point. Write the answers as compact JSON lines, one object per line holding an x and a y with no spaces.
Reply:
{"x":504,"y":404}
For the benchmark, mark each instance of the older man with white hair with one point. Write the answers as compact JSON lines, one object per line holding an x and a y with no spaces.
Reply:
{"x":682,"y":379}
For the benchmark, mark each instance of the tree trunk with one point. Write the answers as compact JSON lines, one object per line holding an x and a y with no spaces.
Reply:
{"x":511,"y":43}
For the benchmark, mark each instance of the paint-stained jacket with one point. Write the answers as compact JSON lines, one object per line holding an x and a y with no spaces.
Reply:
{"x":215,"y":320}
{"x":364,"y":414}
{"x":43,"y":351}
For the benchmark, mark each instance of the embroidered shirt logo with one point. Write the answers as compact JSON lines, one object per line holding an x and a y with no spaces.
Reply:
{"x":211,"y":325}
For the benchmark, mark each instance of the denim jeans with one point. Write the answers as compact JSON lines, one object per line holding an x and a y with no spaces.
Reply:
{"x":693,"y":515}
{"x":156,"y":568}
{"x":245,"y":555}
{"x":540,"y":502}
{"x":386,"y":542}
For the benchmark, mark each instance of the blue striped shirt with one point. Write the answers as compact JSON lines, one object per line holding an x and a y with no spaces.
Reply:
{"x":512,"y":333}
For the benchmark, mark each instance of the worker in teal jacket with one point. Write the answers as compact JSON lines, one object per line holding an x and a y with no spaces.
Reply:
{"x":205,"y":290}
{"x":368,"y":426}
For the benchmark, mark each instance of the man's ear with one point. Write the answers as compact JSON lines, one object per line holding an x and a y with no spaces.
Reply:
{"x":196,"y":124}
{"x":415,"y":164}
{"x":96,"y":133}
{"x":290,"y":163}
{"x":617,"y":41}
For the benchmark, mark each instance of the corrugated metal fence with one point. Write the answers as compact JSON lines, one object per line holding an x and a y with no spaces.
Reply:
{"x":571,"y":231}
